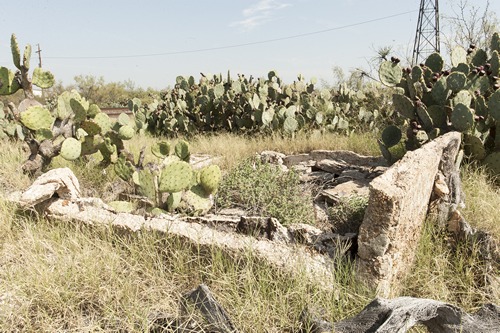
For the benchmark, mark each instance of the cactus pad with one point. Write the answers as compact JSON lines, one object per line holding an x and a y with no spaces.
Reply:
{"x":435,"y":62}
{"x":43,"y":134}
{"x":438,"y":115}
{"x":473,"y":147}
{"x":456,"y":81}
{"x":290,"y":125}
{"x":63,"y":105}
{"x":182,"y":150}
{"x":37,"y":117}
{"x":161,"y":149}
{"x":93,"y":110}
{"x":123,"y":119}
{"x":107,"y":148}
{"x":27,"y":57}
{"x":16,"y":53}
{"x":385,"y":151}
{"x":126,"y":132}
{"x":145,"y":181}
{"x":403,"y":105}
{"x":89,"y":146}
{"x":463,"y":96}
{"x":390,"y":73}
{"x":90,"y":127}
{"x":173,"y":201}
{"x":210,"y":177}
{"x":495,"y":42}
{"x":494,"y":105}
{"x":458,"y":56}
{"x":440,"y":91}
{"x":71,"y":149}
{"x":103,"y":121}
{"x":495,"y":63}
{"x":462,"y":118}
{"x":8,"y":83}
{"x":78,"y":109}
{"x":196,"y":201}
{"x":134,"y":104}
{"x":479,"y":57}
{"x":425,"y":118}
{"x":391,"y":136}
{"x":42,"y":78}
{"x":175,"y":177}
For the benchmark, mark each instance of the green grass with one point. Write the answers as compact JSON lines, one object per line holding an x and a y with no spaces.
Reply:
{"x":448,"y":273}
{"x":347,"y":215}
{"x":57,"y":276}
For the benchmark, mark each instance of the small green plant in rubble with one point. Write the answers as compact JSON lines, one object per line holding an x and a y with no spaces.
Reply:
{"x":264,"y":189}
{"x":347,"y":215}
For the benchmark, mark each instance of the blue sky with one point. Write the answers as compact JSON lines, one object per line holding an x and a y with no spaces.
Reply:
{"x":121,"y":40}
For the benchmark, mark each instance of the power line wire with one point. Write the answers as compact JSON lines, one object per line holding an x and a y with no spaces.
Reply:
{"x":236,"y":45}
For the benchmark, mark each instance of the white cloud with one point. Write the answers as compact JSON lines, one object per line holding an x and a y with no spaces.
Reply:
{"x":259,"y":13}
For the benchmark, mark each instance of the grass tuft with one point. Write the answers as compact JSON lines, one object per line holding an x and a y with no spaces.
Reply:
{"x":347,"y":215}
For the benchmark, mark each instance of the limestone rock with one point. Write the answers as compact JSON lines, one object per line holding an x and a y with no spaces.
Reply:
{"x":402,"y":313}
{"x":348,"y":157}
{"x":397,"y":207}
{"x":60,"y":181}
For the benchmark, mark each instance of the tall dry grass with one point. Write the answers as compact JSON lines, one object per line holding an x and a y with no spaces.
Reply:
{"x":57,"y":277}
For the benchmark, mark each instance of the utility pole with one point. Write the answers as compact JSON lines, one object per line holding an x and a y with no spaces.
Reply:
{"x":427,"y":35}
{"x":39,"y":55}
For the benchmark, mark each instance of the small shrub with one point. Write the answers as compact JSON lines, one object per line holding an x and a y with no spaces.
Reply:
{"x":264,"y":189}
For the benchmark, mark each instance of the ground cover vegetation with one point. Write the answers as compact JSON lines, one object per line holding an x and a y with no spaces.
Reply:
{"x":59,"y":276}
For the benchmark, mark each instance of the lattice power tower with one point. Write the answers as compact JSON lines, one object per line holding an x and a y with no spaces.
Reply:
{"x":427,"y":35}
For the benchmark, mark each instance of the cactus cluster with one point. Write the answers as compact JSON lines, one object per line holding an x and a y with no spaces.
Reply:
{"x":173,"y":185}
{"x":435,"y":100}
{"x":243,"y":105}
{"x":11,"y":82}
{"x":72,"y":129}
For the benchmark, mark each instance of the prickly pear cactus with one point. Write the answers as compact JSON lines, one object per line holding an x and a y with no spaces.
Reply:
{"x":436,"y":100}
{"x":176,"y":177}
{"x":124,"y":169}
{"x":161,"y":149}
{"x":196,"y":201}
{"x":210,"y":177}
{"x":182,"y":150}
{"x":71,"y":149}
{"x":37,"y":117}
{"x":126,"y":132}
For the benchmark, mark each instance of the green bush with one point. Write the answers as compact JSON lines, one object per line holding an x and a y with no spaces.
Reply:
{"x":264,"y":189}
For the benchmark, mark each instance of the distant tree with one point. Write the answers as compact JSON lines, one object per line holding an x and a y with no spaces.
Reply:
{"x":112,"y":94}
{"x":469,"y":24}
{"x":89,"y":87}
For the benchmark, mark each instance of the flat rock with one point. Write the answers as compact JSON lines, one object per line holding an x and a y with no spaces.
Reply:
{"x":356,"y":187}
{"x":348,"y":157}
